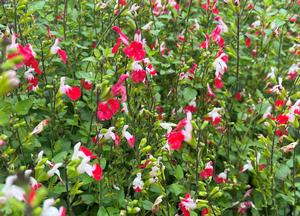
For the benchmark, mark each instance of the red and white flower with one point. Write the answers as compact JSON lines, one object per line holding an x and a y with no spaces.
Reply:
{"x":214,"y":116}
{"x":130,"y":138}
{"x":244,"y":206}
{"x":40,"y":127}
{"x":187,"y":204}
{"x":247,"y":166}
{"x":49,"y":210}
{"x":10,"y":190}
{"x":119,"y":88}
{"x":290,"y":147}
{"x":138,"y":183}
{"x":138,"y":74}
{"x":293,"y":71}
{"x":74,"y":93}
{"x":221,"y":177}
{"x":208,"y":171}
{"x":54,"y":169}
{"x":55,"y":49}
{"x":86,"y":155}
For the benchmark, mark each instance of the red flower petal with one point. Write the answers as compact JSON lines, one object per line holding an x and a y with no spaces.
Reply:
{"x":97,"y":172}
{"x":74,"y":93}
{"x":63,"y":55}
{"x":87,"y":152}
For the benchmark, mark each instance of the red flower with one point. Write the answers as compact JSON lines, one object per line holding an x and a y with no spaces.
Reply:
{"x":135,"y":51}
{"x":86,"y":84}
{"x":97,"y":172}
{"x":74,"y":93}
{"x":87,"y":152}
{"x":218,"y":83}
{"x":63,"y":55}
{"x":32,"y":83}
{"x":238,"y":96}
{"x":106,"y":110}
{"x":221,"y":178}
{"x":119,"y":89}
{"x":204,"y":211}
{"x":250,"y":6}
{"x":175,"y":139}
{"x":122,"y":2}
{"x":208,"y":171}
{"x":282,"y":119}
{"x":55,"y":49}
{"x":279,"y":103}
{"x":138,"y":76}
{"x":187,"y":204}
{"x":248,"y":42}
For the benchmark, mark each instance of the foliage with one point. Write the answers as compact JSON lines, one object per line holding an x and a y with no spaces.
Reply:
{"x":149,"y":107}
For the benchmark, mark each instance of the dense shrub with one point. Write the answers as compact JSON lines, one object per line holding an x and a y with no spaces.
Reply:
{"x":153,"y":107}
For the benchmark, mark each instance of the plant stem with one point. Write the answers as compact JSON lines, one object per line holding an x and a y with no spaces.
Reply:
{"x":237,"y":51}
{"x":69,"y":207}
{"x":65,"y":17}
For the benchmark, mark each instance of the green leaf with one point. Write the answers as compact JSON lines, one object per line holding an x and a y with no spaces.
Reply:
{"x":176,"y":189}
{"x":102,"y":212}
{"x":147,"y":205}
{"x":189,"y":94}
{"x":23,"y":107}
{"x":282,"y":171}
{"x":178,"y":172}
{"x":4,"y":118}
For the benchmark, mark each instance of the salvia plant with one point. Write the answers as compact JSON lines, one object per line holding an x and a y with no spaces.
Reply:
{"x":149,"y":107}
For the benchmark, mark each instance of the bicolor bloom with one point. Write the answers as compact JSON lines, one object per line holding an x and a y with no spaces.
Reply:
{"x":138,"y":74}
{"x":74,"y":93}
{"x":10,"y":190}
{"x":135,"y":50}
{"x":55,"y":49}
{"x":293,"y":71}
{"x":130,"y":138}
{"x":86,"y":155}
{"x":191,"y":107}
{"x":210,"y":6}
{"x":220,"y":65}
{"x":247,"y":166}
{"x":205,"y":44}
{"x":49,"y":210}
{"x":268,"y":113}
{"x":40,"y":127}
{"x":221,"y":177}
{"x":208,"y":171}
{"x":183,"y":132}
{"x":54,"y":169}
{"x":121,"y":39}
{"x":138,"y":183}
{"x":31,"y":79}
{"x":88,"y":85}
{"x":33,"y":182}
{"x":108,"y":135}
{"x":119,"y":88}
{"x":187,"y":204}
{"x":15,"y":49}
{"x":214,"y":116}
{"x":290,"y":147}
{"x":83,"y":152}
{"x":277,"y":88}
{"x":210,"y":93}
{"x":244,"y":206}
